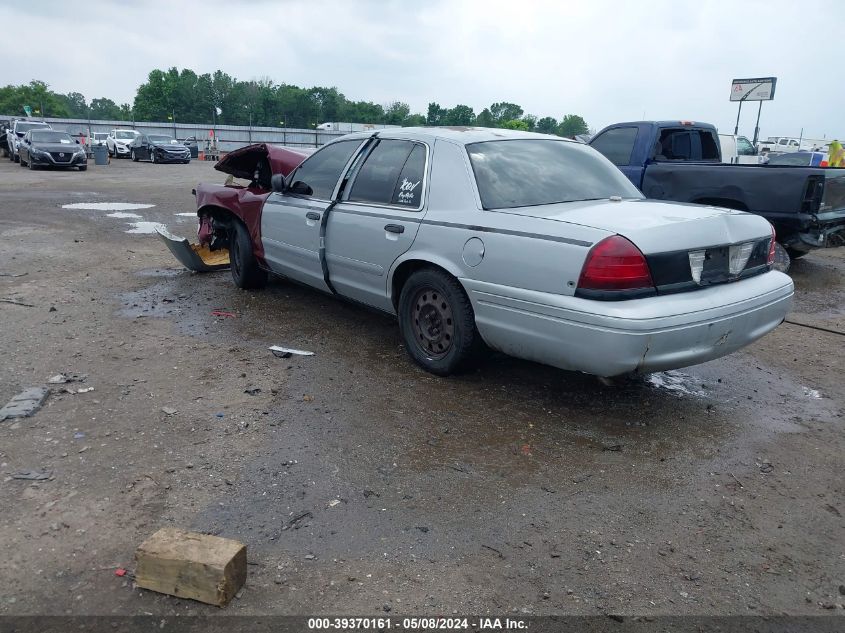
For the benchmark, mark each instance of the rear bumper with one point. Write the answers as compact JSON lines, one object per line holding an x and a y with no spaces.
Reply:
{"x":640,"y":335}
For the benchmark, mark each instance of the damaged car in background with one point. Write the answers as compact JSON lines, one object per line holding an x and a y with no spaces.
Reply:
{"x":528,"y":244}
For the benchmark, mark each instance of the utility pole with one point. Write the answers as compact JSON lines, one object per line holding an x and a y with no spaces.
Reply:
{"x":173,"y":116}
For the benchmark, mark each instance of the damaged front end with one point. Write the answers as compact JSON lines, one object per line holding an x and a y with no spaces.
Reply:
{"x":203,"y":257}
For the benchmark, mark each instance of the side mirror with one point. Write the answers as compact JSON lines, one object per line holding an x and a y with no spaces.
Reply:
{"x":301,"y":189}
{"x":278,"y":184}
{"x":77,"y":141}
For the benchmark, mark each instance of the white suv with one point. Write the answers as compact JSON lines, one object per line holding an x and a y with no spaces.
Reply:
{"x":118,"y":142}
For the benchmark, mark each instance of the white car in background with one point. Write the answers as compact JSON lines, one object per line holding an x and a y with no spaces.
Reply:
{"x":98,"y":138}
{"x":118,"y":142}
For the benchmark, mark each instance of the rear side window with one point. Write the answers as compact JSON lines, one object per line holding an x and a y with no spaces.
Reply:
{"x":617,"y":144}
{"x":323,"y":169}
{"x":684,"y":144}
{"x":408,"y":190}
{"x":377,"y":178}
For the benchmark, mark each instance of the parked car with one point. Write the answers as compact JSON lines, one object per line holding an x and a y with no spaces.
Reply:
{"x":681,"y":161}
{"x":4,"y":145}
{"x":51,"y":148}
{"x":802,"y":159}
{"x":158,"y":148}
{"x":535,"y":245}
{"x":118,"y":142}
{"x":737,"y":150}
{"x":14,"y":137}
{"x":98,"y":138}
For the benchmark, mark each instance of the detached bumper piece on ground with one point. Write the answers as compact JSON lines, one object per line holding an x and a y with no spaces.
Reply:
{"x":196,"y":257}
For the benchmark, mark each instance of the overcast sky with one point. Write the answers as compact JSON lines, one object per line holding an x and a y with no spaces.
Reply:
{"x":607,"y":61}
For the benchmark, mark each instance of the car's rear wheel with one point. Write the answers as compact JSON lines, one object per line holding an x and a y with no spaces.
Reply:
{"x":437,"y":322}
{"x":246,"y":272}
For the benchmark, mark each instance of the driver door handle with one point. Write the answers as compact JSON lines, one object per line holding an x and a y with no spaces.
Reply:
{"x":394,"y":228}
{"x":312,"y":215}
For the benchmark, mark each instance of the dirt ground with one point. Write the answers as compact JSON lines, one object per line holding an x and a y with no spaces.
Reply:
{"x":361,"y":484}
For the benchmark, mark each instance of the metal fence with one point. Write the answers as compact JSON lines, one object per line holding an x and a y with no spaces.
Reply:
{"x":229,"y":137}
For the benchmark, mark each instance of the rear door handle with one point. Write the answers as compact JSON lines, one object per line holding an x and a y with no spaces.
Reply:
{"x":394,"y":228}
{"x":312,"y":215}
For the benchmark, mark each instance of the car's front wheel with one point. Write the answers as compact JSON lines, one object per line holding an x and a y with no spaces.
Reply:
{"x":30,"y":165}
{"x":246,"y":273}
{"x":437,"y":322}
{"x":133,"y":156}
{"x":152,"y":155}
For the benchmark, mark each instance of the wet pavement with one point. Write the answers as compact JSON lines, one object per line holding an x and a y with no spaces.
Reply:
{"x":360,"y":482}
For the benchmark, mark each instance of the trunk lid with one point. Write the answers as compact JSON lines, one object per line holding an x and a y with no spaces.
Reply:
{"x":655,"y":226}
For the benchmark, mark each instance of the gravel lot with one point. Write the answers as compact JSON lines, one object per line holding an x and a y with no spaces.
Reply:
{"x":362,"y":484}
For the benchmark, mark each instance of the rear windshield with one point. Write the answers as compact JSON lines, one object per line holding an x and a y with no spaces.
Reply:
{"x":48,"y":136}
{"x":528,"y":172}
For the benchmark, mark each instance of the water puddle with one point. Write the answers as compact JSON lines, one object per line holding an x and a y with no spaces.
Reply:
{"x":107,"y":206}
{"x":186,"y":215}
{"x":676,"y":382}
{"x":122,"y":215}
{"x":143,"y":228}
{"x":812,"y":393}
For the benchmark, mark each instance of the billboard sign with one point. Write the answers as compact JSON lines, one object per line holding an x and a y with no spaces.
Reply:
{"x":759,"y":89}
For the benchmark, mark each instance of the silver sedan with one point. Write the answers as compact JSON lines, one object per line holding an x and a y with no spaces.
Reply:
{"x":528,"y":244}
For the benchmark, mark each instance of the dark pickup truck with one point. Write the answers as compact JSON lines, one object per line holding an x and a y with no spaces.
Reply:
{"x":681,"y":161}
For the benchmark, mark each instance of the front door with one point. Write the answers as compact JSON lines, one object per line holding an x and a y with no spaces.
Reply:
{"x":290,"y":222}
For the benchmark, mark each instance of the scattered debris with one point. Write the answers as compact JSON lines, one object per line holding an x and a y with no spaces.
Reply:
{"x":422,"y":529}
{"x":25,"y":403}
{"x":310,"y":557}
{"x":185,"y":564}
{"x":120,"y":572}
{"x":224,"y":314}
{"x":297,"y":519}
{"x":736,"y":480}
{"x":493,"y":549}
{"x":307,"y":398}
{"x":15,"y":302}
{"x":616,"y":448}
{"x":581,"y":478}
{"x":13,"y":274}
{"x":765,"y":467}
{"x":169,"y":411}
{"x":333,"y":503}
{"x":85,"y":390}
{"x":287,"y":352}
{"x":252,"y":390}
{"x":32,"y":475}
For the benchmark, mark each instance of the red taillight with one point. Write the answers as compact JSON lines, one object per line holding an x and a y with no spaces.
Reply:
{"x":770,"y":259}
{"x":824,"y":163}
{"x":615,"y":264}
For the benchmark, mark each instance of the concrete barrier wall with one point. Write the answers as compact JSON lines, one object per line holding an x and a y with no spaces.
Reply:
{"x":229,"y":137}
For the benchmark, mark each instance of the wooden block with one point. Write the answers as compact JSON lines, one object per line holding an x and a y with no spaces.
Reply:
{"x":190,"y":565}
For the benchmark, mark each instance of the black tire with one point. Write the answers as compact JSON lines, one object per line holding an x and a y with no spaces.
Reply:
{"x":30,"y":165}
{"x":21,"y":161}
{"x":796,"y":254}
{"x":245,"y":270}
{"x":133,"y":155}
{"x":152,"y":156}
{"x":83,"y":168}
{"x":16,"y":158}
{"x":438,"y":323}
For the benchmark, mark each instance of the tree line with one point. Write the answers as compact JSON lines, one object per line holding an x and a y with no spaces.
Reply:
{"x":220,"y":99}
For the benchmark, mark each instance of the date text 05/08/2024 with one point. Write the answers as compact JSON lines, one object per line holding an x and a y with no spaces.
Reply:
{"x":424,"y":623}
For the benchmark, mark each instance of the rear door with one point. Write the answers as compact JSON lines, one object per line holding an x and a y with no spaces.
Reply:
{"x":377,"y":220}
{"x":290,"y":222}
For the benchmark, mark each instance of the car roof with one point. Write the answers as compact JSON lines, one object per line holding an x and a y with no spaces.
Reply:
{"x":461,"y":135}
